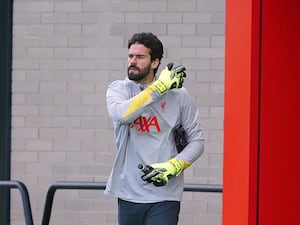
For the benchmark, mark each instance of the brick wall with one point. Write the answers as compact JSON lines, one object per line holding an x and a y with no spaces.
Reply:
{"x":65,"y":53}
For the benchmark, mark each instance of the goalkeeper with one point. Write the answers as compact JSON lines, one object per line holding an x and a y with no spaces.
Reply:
{"x":146,"y":110}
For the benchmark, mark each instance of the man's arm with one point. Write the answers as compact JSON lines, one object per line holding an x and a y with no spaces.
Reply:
{"x":190,"y":120}
{"x":125,"y":109}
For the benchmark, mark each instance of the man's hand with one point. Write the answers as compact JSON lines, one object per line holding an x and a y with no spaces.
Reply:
{"x":160,"y":173}
{"x":170,"y":78}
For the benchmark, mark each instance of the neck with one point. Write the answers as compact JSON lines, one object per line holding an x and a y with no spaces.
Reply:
{"x":148,"y":80}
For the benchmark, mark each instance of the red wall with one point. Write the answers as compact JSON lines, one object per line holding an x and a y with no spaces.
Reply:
{"x":279,"y":177}
{"x":262,"y":115}
{"x":241,"y":112}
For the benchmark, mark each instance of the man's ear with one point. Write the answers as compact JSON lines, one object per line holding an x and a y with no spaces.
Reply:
{"x":155,"y":63}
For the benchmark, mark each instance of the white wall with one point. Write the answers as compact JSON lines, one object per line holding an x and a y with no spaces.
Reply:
{"x":65,"y":53}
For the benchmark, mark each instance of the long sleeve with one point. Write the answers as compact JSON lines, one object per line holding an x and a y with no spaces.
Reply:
{"x":190,"y":120}
{"x":124,"y":104}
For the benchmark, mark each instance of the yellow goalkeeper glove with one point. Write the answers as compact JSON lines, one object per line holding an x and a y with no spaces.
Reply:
{"x":164,"y":171}
{"x":170,"y":78}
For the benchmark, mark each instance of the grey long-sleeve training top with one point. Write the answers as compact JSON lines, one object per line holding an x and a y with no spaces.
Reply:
{"x":144,"y":123}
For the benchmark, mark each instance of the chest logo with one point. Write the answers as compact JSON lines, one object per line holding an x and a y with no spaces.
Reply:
{"x":145,"y":124}
{"x":163,"y":106}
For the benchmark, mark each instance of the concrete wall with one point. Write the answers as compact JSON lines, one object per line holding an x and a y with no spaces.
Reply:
{"x":65,"y":53}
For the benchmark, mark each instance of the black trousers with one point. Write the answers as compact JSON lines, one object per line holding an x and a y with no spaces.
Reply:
{"x":160,"y":213}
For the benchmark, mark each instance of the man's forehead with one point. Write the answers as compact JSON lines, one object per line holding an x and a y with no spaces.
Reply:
{"x":139,"y":49}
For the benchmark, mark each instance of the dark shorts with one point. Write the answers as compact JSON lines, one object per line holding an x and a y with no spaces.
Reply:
{"x":164,"y":213}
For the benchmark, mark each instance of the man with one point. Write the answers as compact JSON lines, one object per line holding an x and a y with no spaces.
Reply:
{"x":146,"y":112}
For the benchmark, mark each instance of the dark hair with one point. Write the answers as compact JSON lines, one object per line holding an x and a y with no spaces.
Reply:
{"x":150,"y":41}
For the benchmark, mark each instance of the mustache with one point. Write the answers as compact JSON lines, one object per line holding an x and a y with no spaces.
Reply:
{"x":133,"y":66}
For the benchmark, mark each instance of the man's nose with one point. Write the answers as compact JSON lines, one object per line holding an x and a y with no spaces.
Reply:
{"x":133,"y":60}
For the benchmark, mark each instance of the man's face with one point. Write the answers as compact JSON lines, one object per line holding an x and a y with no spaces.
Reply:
{"x":140,"y":67}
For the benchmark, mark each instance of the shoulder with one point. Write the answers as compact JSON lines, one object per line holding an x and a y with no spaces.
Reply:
{"x":182,"y":96}
{"x":118,"y":83}
{"x":125,"y":88}
{"x":180,"y":93}
{"x":122,"y":84}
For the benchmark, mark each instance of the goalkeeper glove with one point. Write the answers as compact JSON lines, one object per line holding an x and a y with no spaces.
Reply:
{"x":170,"y":78}
{"x":160,"y":173}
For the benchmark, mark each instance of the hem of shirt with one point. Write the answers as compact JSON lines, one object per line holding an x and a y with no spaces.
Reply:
{"x":113,"y":194}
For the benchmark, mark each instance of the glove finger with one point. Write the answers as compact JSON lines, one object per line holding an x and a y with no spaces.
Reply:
{"x":158,"y":181}
{"x":146,"y":178}
{"x":181,"y":75}
{"x":174,"y":85}
{"x":181,"y":79}
{"x":149,"y":176}
{"x":170,"y":66}
{"x":179,"y":69}
{"x":180,"y":83}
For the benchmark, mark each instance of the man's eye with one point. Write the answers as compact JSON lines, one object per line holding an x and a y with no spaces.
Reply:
{"x":137,"y":56}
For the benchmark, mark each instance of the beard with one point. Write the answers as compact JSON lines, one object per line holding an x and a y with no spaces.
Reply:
{"x":141,"y":73}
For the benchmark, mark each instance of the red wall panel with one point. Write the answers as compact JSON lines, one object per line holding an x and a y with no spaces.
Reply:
{"x":279,"y":177}
{"x":262,"y":113}
{"x":241,"y":112}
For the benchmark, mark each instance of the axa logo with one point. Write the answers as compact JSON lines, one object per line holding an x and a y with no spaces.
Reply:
{"x":146,"y":124}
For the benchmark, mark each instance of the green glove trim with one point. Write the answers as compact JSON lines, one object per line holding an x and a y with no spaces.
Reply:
{"x":177,"y":165}
{"x":160,"y":87}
